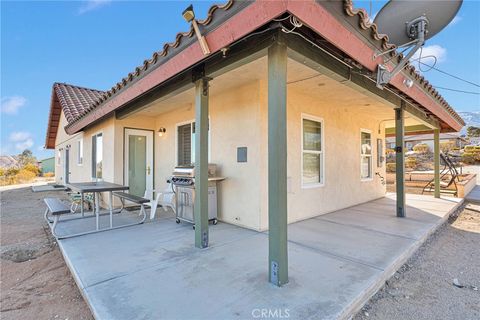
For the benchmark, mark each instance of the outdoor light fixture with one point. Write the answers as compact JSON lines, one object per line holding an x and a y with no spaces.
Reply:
{"x":408,"y":82}
{"x":161,"y":131}
{"x":189,"y":16}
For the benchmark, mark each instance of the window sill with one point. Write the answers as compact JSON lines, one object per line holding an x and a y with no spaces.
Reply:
{"x":366,"y":179}
{"x":313,"y":186}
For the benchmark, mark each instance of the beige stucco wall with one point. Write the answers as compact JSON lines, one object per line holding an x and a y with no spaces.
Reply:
{"x":343,"y":186}
{"x":238,"y":118}
{"x":234,"y":122}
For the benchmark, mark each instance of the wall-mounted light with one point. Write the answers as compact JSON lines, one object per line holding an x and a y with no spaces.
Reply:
{"x":189,"y":16}
{"x":408,"y":82}
{"x":161,"y":131}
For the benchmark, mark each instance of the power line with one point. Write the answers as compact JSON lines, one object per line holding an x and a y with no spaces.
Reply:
{"x":449,"y":74}
{"x":456,"y":90}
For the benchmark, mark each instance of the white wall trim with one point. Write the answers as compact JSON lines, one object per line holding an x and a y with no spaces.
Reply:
{"x":362,"y":130}
{"x":322,"y":152}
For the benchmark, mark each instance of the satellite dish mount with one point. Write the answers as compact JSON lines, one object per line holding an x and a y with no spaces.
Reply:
{"x":425,"y":18}
{"x":415,"y":30}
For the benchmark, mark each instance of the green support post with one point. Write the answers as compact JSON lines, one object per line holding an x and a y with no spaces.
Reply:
{"x":400,"y":160}
{"x":201,"y":163}
{"x":436,"y":162}
{"x":277,"y":162}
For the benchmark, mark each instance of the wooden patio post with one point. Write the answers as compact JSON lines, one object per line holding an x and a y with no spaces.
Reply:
{"x":277,"y":162}
{"x":400,"y":159}
{"x":436,"y":162}
{"x":201,"y":162}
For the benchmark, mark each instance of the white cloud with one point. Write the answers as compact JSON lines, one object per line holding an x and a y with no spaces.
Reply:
{"x":10,"y":105}
{"x":19,"y":136}
{"x":455,"y":20}
{"x":434,"y":50}
{"x":21,"y":140}
{"x":91,"y":5}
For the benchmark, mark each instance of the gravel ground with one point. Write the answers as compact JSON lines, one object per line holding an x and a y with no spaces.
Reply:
{"x":35,"y":282}
{"x":424,"y":287}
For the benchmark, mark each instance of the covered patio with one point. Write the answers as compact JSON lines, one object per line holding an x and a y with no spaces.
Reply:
{"x":336,"y":262}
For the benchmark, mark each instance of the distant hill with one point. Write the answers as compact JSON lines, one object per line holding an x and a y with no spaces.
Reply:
{"x":471,"y":118}
{"x":7,"y":162}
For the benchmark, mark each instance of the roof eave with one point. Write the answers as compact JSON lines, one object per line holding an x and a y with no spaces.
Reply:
{"x":249,"y":19}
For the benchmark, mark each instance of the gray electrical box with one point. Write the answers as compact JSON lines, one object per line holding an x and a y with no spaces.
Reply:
{"x":242,"y":154}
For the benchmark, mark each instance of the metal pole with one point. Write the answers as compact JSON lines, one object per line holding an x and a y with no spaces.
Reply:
{"x":277,"y":162}
{"x":97,"y":210}
{"x":201,"y":163}
{"x":110,"y":201}
{"x":400,"y":160}
{"x":436,"y":162}
{"x":82,"y":200}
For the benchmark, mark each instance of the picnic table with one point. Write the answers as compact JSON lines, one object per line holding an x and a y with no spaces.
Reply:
{"x":96,"y":188}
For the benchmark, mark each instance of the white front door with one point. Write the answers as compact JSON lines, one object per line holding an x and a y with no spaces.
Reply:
{"x":138,"y":161}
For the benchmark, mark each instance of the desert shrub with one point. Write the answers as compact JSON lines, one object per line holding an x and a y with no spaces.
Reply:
{"x":468,"y":157}
{"x":49,"y":174}
{"x":2,"y":172}
{"x":390,"y":167}
{"x":411,"y":162}
{"x":389,"y":152}
{"x":32,"y":168}
{"x":447,"y":146}
{"x":421,"y":148}
{"x":469,"y":149}
{"x":25,"y":176}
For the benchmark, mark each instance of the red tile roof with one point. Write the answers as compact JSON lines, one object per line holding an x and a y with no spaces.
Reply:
{"x":73,"y":101}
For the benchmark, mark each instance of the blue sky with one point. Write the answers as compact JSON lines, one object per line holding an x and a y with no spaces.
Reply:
{"x":96,"y":43}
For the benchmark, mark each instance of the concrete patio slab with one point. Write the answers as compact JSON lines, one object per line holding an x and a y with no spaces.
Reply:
{"x":474,"y":195}
{"x":336,"y":262}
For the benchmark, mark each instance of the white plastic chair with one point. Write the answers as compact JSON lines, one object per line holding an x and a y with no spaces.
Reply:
{"x":166,"y":199}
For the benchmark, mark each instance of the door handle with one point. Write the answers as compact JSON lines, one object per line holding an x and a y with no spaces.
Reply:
{"x":148,"y":170}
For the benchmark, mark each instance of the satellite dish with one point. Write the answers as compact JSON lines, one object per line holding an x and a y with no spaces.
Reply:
{"x":410,"y":23}
{"x":396,"y":15}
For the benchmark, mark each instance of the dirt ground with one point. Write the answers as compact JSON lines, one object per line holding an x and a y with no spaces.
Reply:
{"x":442,"y":279}
{"x":35,"y":282}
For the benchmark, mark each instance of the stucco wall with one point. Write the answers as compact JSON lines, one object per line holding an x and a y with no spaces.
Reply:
{"x":83,"y":172}
{"x":238,"y":118}
{"x":343,"y":186}
{"x":234,"y":122}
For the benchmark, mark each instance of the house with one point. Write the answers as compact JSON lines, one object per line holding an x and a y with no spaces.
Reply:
{"x":47,"y":165}
{"x":288,"y":85}
{"x":453,"y":138}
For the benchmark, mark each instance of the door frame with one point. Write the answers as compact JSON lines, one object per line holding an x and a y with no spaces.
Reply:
{"x":66,"y":165}
{"x":139,"y":131}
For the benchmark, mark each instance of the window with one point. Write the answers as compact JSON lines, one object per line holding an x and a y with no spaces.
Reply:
{"x":366,"y":155}
{"x":312,"y":151}
{"x":97,"y":156}
{"x":186,"y":144}
{"x":80,"y":152}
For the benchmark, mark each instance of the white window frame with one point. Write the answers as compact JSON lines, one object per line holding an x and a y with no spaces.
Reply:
{"x":80,"y":152}
{"x":322,"y":152}
{"x":366,"y":155}
{"x":103,"y":154}
{"x":59,"y":157}
{"x":179,"y":124}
